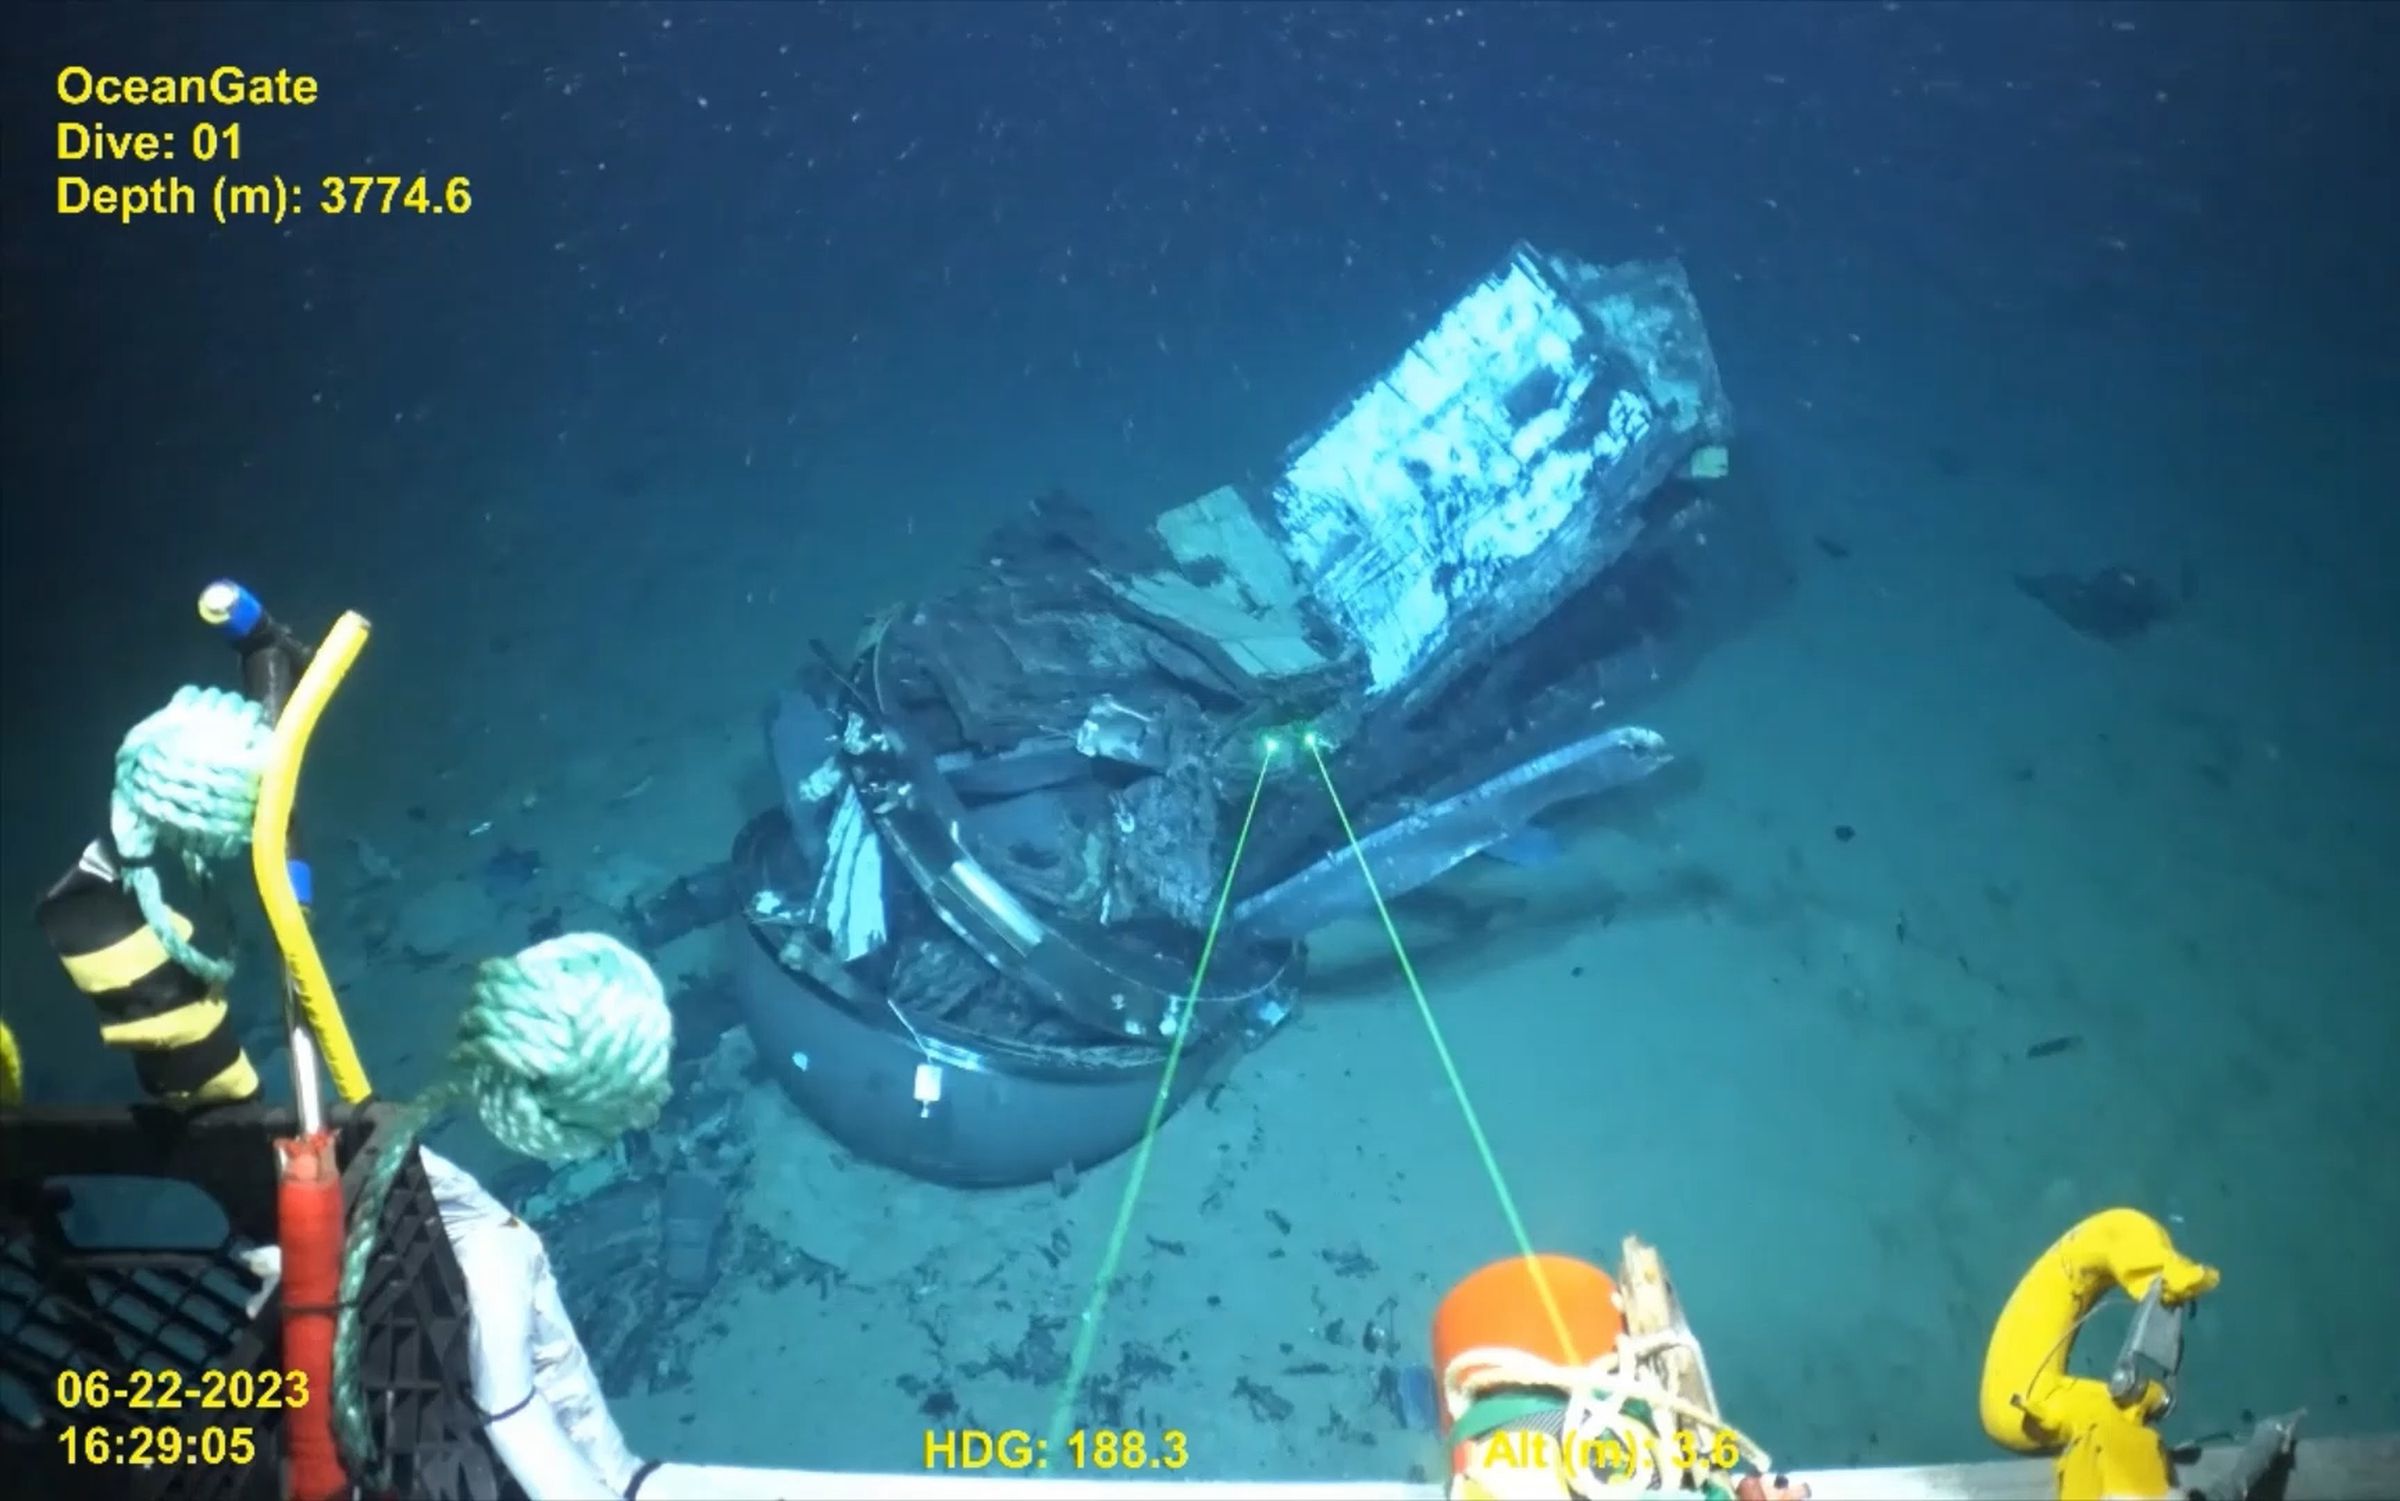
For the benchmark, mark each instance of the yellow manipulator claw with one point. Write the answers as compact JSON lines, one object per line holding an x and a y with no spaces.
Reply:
{"x":2030,"y":1404}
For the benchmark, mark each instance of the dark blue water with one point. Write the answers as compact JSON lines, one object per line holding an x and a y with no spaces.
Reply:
{"x":739,"y":323}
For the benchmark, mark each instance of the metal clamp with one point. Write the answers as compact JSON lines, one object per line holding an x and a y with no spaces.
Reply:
{"x":2153,"y":1350}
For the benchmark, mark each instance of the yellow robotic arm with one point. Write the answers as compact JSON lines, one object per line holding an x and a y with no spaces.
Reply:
{"x":2100,"y":1430}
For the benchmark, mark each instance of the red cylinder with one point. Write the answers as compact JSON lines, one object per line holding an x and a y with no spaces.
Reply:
{"x":308,"y":1201}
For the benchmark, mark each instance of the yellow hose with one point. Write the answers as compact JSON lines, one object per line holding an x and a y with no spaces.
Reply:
{"x":270,"y":866}
{"x":12,"y":1070}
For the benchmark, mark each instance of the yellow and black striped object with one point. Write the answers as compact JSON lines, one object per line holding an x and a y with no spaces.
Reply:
{"x":174,"y":1023}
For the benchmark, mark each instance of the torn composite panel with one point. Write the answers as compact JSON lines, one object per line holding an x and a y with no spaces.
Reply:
{"x":1500,"y":464}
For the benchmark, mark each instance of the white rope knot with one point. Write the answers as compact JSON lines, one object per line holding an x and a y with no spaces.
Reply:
{"x":565,"y":1047}
{"x":1603,"y":1450}
{"x":187,"y":783}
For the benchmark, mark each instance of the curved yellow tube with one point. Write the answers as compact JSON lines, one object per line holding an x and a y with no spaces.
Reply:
{"x":270,"y":865}
{"x":2029,"y":1402}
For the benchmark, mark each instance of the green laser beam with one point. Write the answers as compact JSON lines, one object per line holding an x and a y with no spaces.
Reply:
{"x":1458,"y":1083}
{"x":1087,"y":1333}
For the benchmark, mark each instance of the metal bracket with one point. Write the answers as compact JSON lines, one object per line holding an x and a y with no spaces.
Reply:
{"x":2270,"y":1441}
{"x":1111,"y":731}
{"x":2153,"y":1349}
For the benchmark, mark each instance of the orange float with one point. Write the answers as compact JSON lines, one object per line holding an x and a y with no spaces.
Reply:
{"x":1556,"y":1309}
